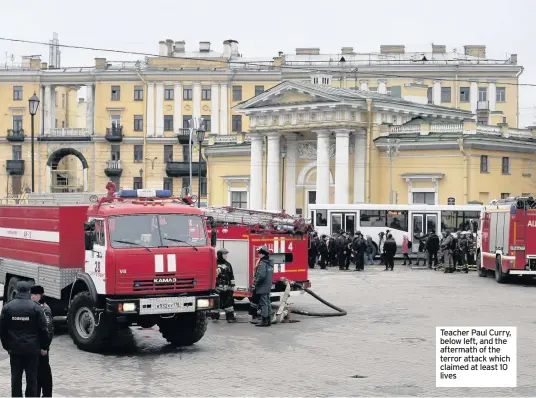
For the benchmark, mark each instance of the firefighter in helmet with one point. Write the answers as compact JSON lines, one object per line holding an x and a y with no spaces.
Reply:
{"x":225,"y":284}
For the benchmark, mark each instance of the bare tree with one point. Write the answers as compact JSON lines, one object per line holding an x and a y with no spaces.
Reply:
{"x":18,"y":193}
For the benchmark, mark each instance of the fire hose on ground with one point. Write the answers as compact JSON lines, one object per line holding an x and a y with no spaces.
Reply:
{"x":340,"y":311}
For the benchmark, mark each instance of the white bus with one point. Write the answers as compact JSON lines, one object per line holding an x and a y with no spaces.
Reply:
{"x":400,"y":220}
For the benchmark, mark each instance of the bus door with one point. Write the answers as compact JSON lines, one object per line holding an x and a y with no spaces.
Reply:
{"x":343,"y":221}
{"x":422,"y":223}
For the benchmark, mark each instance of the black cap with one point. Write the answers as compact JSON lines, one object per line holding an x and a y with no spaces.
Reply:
{"x":37,"y":289}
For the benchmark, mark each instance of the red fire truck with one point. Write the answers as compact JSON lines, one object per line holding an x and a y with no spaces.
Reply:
{"x":507,"y":241}
{"x":242,"y":231}
{"x":128,"y":259}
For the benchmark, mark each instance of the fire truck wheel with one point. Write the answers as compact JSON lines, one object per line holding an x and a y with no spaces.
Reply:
{"x":88,"y":331}
{"x":12,"y":288}
{"x":482,"y":272}
{"x":500,"y":277}
{"x":184,"y":329}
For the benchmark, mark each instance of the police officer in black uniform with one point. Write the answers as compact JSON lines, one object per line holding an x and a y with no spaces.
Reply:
{"x":263,"y":285}
{"x":225,"y":283}
{"x":24,"y":335}
{"x":44,"y":373}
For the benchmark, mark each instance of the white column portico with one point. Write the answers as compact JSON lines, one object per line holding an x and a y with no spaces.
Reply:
{"x":177,"y":114}
{"x":150,"y":109}
{"x":273,"y":172}
{"x":382,"y":86}
{"x":290,"y":174}
{"x":473,"y":95}
{"x":363,"y":85}
{"x":90,"y":114}
{"x":159,"y":108}
{"x":492,"y":95}
{"x":224,"y":119}
{"x":436,"y":92}
{"x":48,"y":107}
{"x":41,"y":110}
{"x":342,"y":144}
{"x":322,"y":167}
{"x":196,"y":99}
{"x":255,"y":179}
{"x":215,"y":117}
{"x":360,"y":153}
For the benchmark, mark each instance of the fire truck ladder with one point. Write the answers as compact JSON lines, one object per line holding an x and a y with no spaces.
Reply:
{"x":231,"y":215}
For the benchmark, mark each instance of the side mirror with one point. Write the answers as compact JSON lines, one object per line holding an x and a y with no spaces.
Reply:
{"x":88,"y":240}
{"x":213,"y":238}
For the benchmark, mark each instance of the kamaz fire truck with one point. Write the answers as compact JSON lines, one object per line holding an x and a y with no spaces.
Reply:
{"x":242,"y":231}
{"x":507,"y":240}
{"x":128,"y":259}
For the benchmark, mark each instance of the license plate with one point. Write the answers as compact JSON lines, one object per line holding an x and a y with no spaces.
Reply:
{"x":167,"y":305}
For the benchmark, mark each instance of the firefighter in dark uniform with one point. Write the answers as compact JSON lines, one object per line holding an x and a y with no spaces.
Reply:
{"x":323,"y":251}
{"x":313,"y":249}
{"x":348,"y":253}
{"x":263,"y":285}
{"x":332,"y":249}
{"x":24,"y":335}
{"x":341,"y":250}
{"x":225,"y":283}
{"x":44,"y":373}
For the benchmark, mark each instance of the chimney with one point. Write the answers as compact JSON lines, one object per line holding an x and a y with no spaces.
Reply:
{"x":180,"y":47}
{"x":439,"y":49}
{"x":308,"y":51}
{"x":347,"y":51}
{"x":162,"y":48}
{"x":35,"y":62}
{"x":26,"y":61}
{"x":392,"y":49}
{"x":234,"y":48}
{"x":44,"y":65}
{"x":169,"y":45}
{"x":513,"y":59}
{"x":100,"y":63}
{"x":227,"y":48}
{"x":475,"y":51}
{"x":204,"y":46}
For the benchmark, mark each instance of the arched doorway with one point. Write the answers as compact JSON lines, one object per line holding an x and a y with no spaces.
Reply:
{"x":67,"y":171}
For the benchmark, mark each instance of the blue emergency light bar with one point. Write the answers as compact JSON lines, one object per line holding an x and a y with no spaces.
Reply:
{"x":145,"y":193}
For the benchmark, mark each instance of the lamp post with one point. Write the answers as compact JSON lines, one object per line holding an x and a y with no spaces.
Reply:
{"x":33,"y":104}
{"x":200,"y":139}
{"x":195,"y":125}
{"x":393,"y":147}
{"x":283,"y":156}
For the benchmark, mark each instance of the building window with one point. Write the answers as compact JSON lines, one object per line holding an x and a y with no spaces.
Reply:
{"x":465,"y":94}
{"x":168,"y":153}
{"x":396,"y":91}
{"x":168,"y":93}
{"x":63,"y":101}
{"x":63,"y":124}
{"x":482,"y":119}
{"x":138,"y":153}
{"x":204,"y":186}
{"x":259,"y":90}
{"x":116,"y":93}
{"x":16,"y":185}
{"x":168,"y":184}
{"x":505,"y":195}
{"x":185,"y":183}
{"x":115,"y":152}
{"x":117,"y":182}
{"x":137,"y":183}
{"x":185,"y":153}
{"x":526,"y":195}
{"x":138,"y":122}
{"x":17,"y":123}
{"x":426,"y":198}
{"x":207,"y":122}
{"x":500,"y":95}
{"x":168,"y":122}
{"x":186,"y":121}
{"x":482,"y":94}
{"x":239,"y":199}
{"x":55,"y":123}
{"x":17,"y":93}
{"x":506,"y":165}
{"x":237,"y":123}
{"x":187,"y":93}
{"x":138,"y":93}
{"x":206,"y":93}
{"x":430,"y":95}
{"x":483,"y":164}
{"x":16,"y":152}
{"x":445,"y":94}
{"x":237,"y":93}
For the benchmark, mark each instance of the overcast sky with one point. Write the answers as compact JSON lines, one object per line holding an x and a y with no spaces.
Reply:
{"x":263,"y":28}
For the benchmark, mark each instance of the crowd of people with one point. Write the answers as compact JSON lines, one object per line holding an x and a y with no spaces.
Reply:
{"x":342,"y":249}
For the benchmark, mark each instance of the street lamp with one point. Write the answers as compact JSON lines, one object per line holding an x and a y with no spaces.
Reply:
{"x":200,"y":139}
{"x":393,"y":147}
{"x":195,"y":126}
{"x":283,"y":156}
{"x":33,"y":104}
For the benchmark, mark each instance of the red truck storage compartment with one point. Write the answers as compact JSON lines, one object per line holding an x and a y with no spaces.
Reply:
{"x":51,"y":235}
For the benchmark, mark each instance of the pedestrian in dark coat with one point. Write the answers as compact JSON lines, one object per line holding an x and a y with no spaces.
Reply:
{"x":432,"y":247}
{"x":24,"y":335}
{"x":263,"y":285}
{"x":390,"y":251}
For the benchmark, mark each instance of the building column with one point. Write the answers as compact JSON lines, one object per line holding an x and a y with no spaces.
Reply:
{"x":48,"y":107}
{"x":342,"y":143}
{"x":159,"y":109}
{"x":196,"y":99}
{"x":322,"y":167}
{"x":215,"y":117}
{"x":273,"y":172}
{"x":363,"y":85}
{"x":290,"y":175}
{"x":150,"y":110}
{"x":360,"y":154}
{"x":53,"y":107}
{"x":473,"y":95}
{"x":436,"y":92}
{"x":382,"y":87}
{"x":90,"y":114}
{"x":224,"y":118}
{"x":41,"y":110}
{"x":177,"y":113}
{"x":255,"y":178}
{"x":492,"y":95}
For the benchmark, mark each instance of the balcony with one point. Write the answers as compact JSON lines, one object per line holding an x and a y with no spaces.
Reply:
{"x":113,"y":168}
{"x":65,"y":134}
{"x":15,"y":167}
{"x":182,"y":169}
{"x":114,"y":134}
{"x":15,"y":135}
{"x":184,"y":136}
{"x":482,"y":106}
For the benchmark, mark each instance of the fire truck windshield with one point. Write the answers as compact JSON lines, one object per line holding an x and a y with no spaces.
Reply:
{"x":157,"y":230}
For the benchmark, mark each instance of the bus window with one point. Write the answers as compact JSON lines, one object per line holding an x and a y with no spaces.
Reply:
{"x":321,"y":218}
{"x":372,"y":218}
{"x":397,"y":220}
{"x":336,"y":223}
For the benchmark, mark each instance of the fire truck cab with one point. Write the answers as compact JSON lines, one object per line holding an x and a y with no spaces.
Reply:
{"x":507,"y":241}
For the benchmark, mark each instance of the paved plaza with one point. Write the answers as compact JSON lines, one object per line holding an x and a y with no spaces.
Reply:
{"x":384,"y":346}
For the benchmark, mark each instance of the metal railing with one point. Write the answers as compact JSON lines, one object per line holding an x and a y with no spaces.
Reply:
{"x":115,"y":131}
{"x":113,"y":164}
{"x":15,"y":133}
{"x":67,"y":132}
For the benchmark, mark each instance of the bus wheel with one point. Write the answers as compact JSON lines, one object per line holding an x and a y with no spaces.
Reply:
{"x":500,"y":277}
{"x":482,"y":272}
